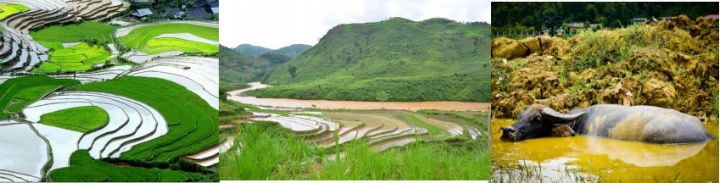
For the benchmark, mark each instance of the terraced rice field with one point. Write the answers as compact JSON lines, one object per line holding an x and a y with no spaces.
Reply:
{"x":316,"y":143}
{"x":192,"y":122}
{"x":92,"y":117}
{"x":80,"y":57}
{"x":160,"y":38}
{"x":89,"y":30}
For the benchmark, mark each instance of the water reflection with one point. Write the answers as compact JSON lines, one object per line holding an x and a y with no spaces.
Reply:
{"x":600,"y":159}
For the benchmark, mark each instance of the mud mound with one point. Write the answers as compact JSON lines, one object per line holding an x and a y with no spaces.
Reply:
{"x":671,"y":63}
{"x":541,"y":45}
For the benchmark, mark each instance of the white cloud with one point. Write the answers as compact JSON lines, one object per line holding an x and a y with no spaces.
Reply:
{"x":278,"y":23}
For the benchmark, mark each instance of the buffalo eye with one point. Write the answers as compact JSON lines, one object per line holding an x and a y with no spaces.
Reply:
{"x":536,"y":119}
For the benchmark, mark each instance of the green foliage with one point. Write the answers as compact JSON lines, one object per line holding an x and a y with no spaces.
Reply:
{"x":87,"y":30}
{"x":81,"y":119}
{"x":17,"y":93}
{"x":83,"y":168}
{"x":80,"y":57}
{"x":521,"y":16}
{"x":193,"y":124}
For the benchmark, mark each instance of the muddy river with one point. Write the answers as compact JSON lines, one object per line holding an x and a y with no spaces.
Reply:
{"x":356,"y":105}
{"x":590,"y":159}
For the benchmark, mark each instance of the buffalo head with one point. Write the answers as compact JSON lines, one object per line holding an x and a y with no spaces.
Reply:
{"x":539,"y":121}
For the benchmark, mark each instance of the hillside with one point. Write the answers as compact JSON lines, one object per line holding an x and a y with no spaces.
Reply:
{"x":237,"y":68}
{"x":435,"y":59}
{"x":292,"y":51}
{"x":251,"y":50}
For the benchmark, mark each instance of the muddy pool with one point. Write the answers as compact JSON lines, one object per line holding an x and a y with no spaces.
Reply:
{"x":593,"y":159}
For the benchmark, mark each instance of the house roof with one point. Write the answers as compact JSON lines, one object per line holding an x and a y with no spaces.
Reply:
{"x":143,"y":1}
{"x":576,"y":25}
{"x":711,"y":17}
{"x":142,"y":12}
{"x":197,"y":13}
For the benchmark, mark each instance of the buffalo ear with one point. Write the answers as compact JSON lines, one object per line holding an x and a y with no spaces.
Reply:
{"x":557,"y":117}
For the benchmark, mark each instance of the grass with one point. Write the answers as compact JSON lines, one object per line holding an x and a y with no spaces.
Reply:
{"x":143,"y":38}
{"x":87,"y":30}
{"x":271,"y":152}
{"x":80,"y":57}
{"x":81,"y":119}
{"x":17,"y":93}
{"x":193,"y":124}
{"x":84,"y":168}
{"x":11,"y":9}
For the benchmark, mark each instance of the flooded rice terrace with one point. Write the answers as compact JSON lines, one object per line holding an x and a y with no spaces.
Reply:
{"x":591,"y":159}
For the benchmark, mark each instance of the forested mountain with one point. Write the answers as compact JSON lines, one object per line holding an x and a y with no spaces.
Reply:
{"x":251,"y":50}
{"x":531,"y":16}
{"x":237,"y":68}
{"x":291,"y":51}
{"x":404,"y":60}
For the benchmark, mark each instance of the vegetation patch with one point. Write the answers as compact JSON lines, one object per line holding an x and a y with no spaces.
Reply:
{"x":81,"y":119}
{"x":86,"y":169}
{"x":11,"y":9}
{"x":80,"y":57}
{"x":17,"y":93}
{"x":193,"y":124}
{"x":143,"y":38}
{"x":271,"y":152}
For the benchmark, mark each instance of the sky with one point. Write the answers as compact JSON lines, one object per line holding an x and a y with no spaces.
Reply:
{"x":278,"y":23}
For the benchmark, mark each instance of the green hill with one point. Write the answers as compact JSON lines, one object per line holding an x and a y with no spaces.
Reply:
{"x":236,"y":68}
{"x":251,"y":50}
{"x":435,"y":59}
{"x":292,"y":51}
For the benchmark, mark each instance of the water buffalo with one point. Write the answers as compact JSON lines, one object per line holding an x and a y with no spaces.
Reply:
{"x":634,"y":123}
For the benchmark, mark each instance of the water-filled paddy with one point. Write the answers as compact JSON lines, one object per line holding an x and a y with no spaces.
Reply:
{"x":590,"y":159}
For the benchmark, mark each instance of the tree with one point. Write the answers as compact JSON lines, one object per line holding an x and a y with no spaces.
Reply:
{"x":293,"y":71}
{"x":382,"y":97}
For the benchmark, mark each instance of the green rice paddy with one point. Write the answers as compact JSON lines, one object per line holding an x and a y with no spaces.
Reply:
{"x":81,"y":119}
{"x":80,"y":57}
{"x":166,"y":44}
{"x":144,"y":39}
{"x":11,"y":9}
{"x":88,"y":30}
{"x":17,"y":93}
{"x":193,"y":124}
{"x":83,"y":168}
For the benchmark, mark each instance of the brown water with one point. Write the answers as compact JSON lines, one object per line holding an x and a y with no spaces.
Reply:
{"x":356,"y":105}
{"x":591,"y":159}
